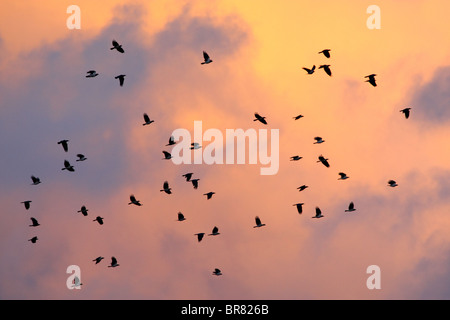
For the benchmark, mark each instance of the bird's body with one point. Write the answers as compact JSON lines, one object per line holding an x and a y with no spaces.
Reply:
{"x":34,"y":222}
{"x":166,"y":188}
{"x":121,"y":78}
{"x":83,"y":210}
{"x":326,"y":68}
{"x":299,"y":207}
{"x":371,"y":79}
{"x":258,"y":223}
{"x":215,"y":232}
{"x":324,"y":161}
{"x":296,"y":158}
{"x":33,"y":240}
{"x":68,"y":166}
{"x":147,"y":120}
{"x":64,"y":144}
{"x":27,"y":204}
{"x":326,"y":52}
{"x":343,"y":176}
{"x":406,"y":112}
{"x":319,"y":140}
{"x":181,"y":217}
{"x":298,"y":117}
{"x":303,"y":187}
{"x":91,"y":74}
{"x":206,"y":58}
{"x":195,"y":183}
{"x":310,"y":71}
{"x":217,"y":272}
{"x":188,"y":176}
{"x":98,"y":259}
{"x":392,"y":183}
{"x":260,"y":118}
{"x":81,"y":157}
{"x":113,"y":263}
{"x":134,"y":201}
{"x":351,"y":207}
{"x":318,"y":213}
{"x":200,"y":236}
{"x":171,"y":141}
{"x":99,"y":220}
{"x":209,"y":195}
{"x":117,"y":46}
{"x":35,"y":180}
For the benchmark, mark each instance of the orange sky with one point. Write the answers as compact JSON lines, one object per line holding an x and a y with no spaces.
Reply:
{"x":259,"y":49}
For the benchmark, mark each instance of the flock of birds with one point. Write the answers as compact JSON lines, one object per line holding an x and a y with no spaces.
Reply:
{"x":188,"y":176}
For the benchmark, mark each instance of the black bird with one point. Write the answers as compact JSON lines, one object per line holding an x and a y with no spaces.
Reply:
{"x":188,"y":176}
{"x":147,"y":120}
{"x":99,"y":220}
{"x":195,"y":183}
{"x":310,"y":71}
{"x":326,"y":52}
{"x":171,"y":141}
{"x":81,"y":157}
{"x":318,"y":140}
{"x":392,"y":183}
{"x":199,"y":236}
{"x":406,"y":112}
{"x":324,"y":161}
{"x":27,"y":204}
{"x":33,"y":240}
{"x":299,"y":207}
{"x":318,"y":213}
{"x":351,"y":207}
{"x":83,"y":210}
{"x":209,"y":195}
{"x":301,"y":188}
{"x":298,"y":117}
{"x":343,"y":176}
{"x":64,"y":144}
{"x":34,"y":222}
{"x":91,"y":74}
{"x":113,"y":263}
{"x":217,"y":272}
{"x":258,"y":223}
{"x":67,"y":166}
{"x":121,"y":78}
{"x":98,"y":259}
{"x":35,"y":180}
{"x":166,"y":188}
{"x":215,"y":232}
{"x":167,"y":155}
{"x":117,"y":46}
{"x":134,"y":201}
{"x":296,"y":158}
{"x":181,"y":217}
{"x":206,"y":58}
{"x":371,"y":79}
{"x":259,"y":118}
{"x":326,"y":68}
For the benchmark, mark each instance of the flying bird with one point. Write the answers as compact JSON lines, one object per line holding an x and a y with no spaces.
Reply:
{"x":318,"y":140}
{"x":167,"y":155}
{"x":318,"y":213}
{"x":33,"y":240}
{"x":91,"y":74}
{"x":147,"y":120}
{"x":195,"y":145}
{"x":215,"y":232}
{"x":181,"y":217}
{"x":299,"y":207}
{"x":259,"y":118}
{"x":324,"y":161}
{"x":209,"y":195}
{"x":296,"y":158}
{"x":117,"y":46}
{"x":206,"y":58}
{"x":326,"y":68}
{"x":34,"y":222}
{"x":199,"y":236}
{"x":326,"y":52}
{"x":171,"y":141}
{"x":301,"y":188}
{"x":217,"y":272}
{"x":134,"y":201}
{"x":392,"y":183}
{"x":371,"y":79}
{"x":166,"y":188}
{"x":35,"y":180}
{"x":27,"y":204}
{"x":83,"y":210}
{"x":76,"y":282}
{"x":310,"y":71}
{"x":113,"y":263}
{"x":258,"y":223}
{"x":98,"y":259}
{"x":298,"y":117}
{"x":351,"y":207}
{"x":99,"y":220}
{"x":121,"y":78}
{"x":188,"y":176}
{"x":406,"y":112}
{"x":64,"y":144}
{"x":81,"y":157}
{"x":343,"y":176}
{"x":68,"y":166}
{"x":195,"y":183}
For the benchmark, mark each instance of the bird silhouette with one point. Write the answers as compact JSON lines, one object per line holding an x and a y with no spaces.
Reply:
{"x":34,"y":222}
{"x":91,"y":74}
{"x":310,"y":71}
{"x":99,"y":220}
{"x":33,"y":240}
{"x":206,"y":58}
{"x":167,"y":155}
{"x":392,"y":183}
{"x":296,"y":158}
{"x":217,"y":272}
{"x":83,"y":210}
{"x":209,"y":195}
{"x":324,"y":161}
{"x":371,"y":79}
{"x":68,"y":166}
{"x":35,"y":180}
{"x":326,"y":68}
{"x":117,"y":46}
{"x":27,"y":204}
{"x":113,"y":263}
{"x":195,"y":183}
{"x":351,"y":207}
{"x":259,"y":118}
{"x":200,"y":236}
{"x":301,"y":188}
{"x":406,"y":112}
{"x":81,"y":157}
{"x":134,"y":201}
{"x":171,"y":141}
{"x":64,"y":144}
{"x":98,"y":259}
{"x":298,"y":117}
{"x":215,"y":232}
{"x":147,"y":120}
{"x":326,"y":52}
{"x":76,"y":282}
{"x":299,"y":207}
{"x":258,"y":223}
{"x":343,"y":176}
{"x":318,"y":213}
{"x":188,"y":176}
{"x":318,"y":140}
{"x":181,"y":217}
{"x":121,"y":78}
{"x":166,"y":188}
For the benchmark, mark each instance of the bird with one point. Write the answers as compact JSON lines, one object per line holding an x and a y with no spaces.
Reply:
{"x":351,"y":207}
{"x":195,"y":183}
{"x":195,"y":145}
{"x":199,"y":236}
{"x":259,"y":118}
{"x":310,"y":71}
{"x":298,"y":117}
{"x":171,"y":141}
{"x":318,"y":140}
{"x":121,"y":78}
{"x":406,"y":112}
{"x":326,"y":52}
{"x":27,"y":204}
{"x":188,"y":176}
{"x":392,"y":183}
{"x":91,"y":74}
{"x":209,"y":195}
{"x":371,"y":79}
{"x":134,"y":201}
{"x":343,"y":176}
{"x":147,"y":120}
{"x":181,"y":217}
{"x":34,"y":222}
{"x":117,"y":46}
{"x":81,"y":157}
{"x":326,"y":68}
{"x":324,"y":161}
{"x":217,"y":272}
{"x":318,"y":213}
{"x":167,"y":155}
{"x":258,"y":223}
{"x":166,"y":188}
{"x":98,"y":259}
{"x":76,"y":282}
{"x":35,"y":180}
{"x":206,"y":58}
{"x":301,"y":188}
{"x":64,"y":144}
{"x":99,"y":220}
{"x":33,"y":240}
{"x":215,"y":232}
{"x":296,"y":158}
{"x":83,"y":210}
{"x":67,"y":166}
{"x":299,"y":207}
{"x":113,"y":263}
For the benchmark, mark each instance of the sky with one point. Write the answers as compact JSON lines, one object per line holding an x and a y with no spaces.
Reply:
{"x":258,"y":50}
